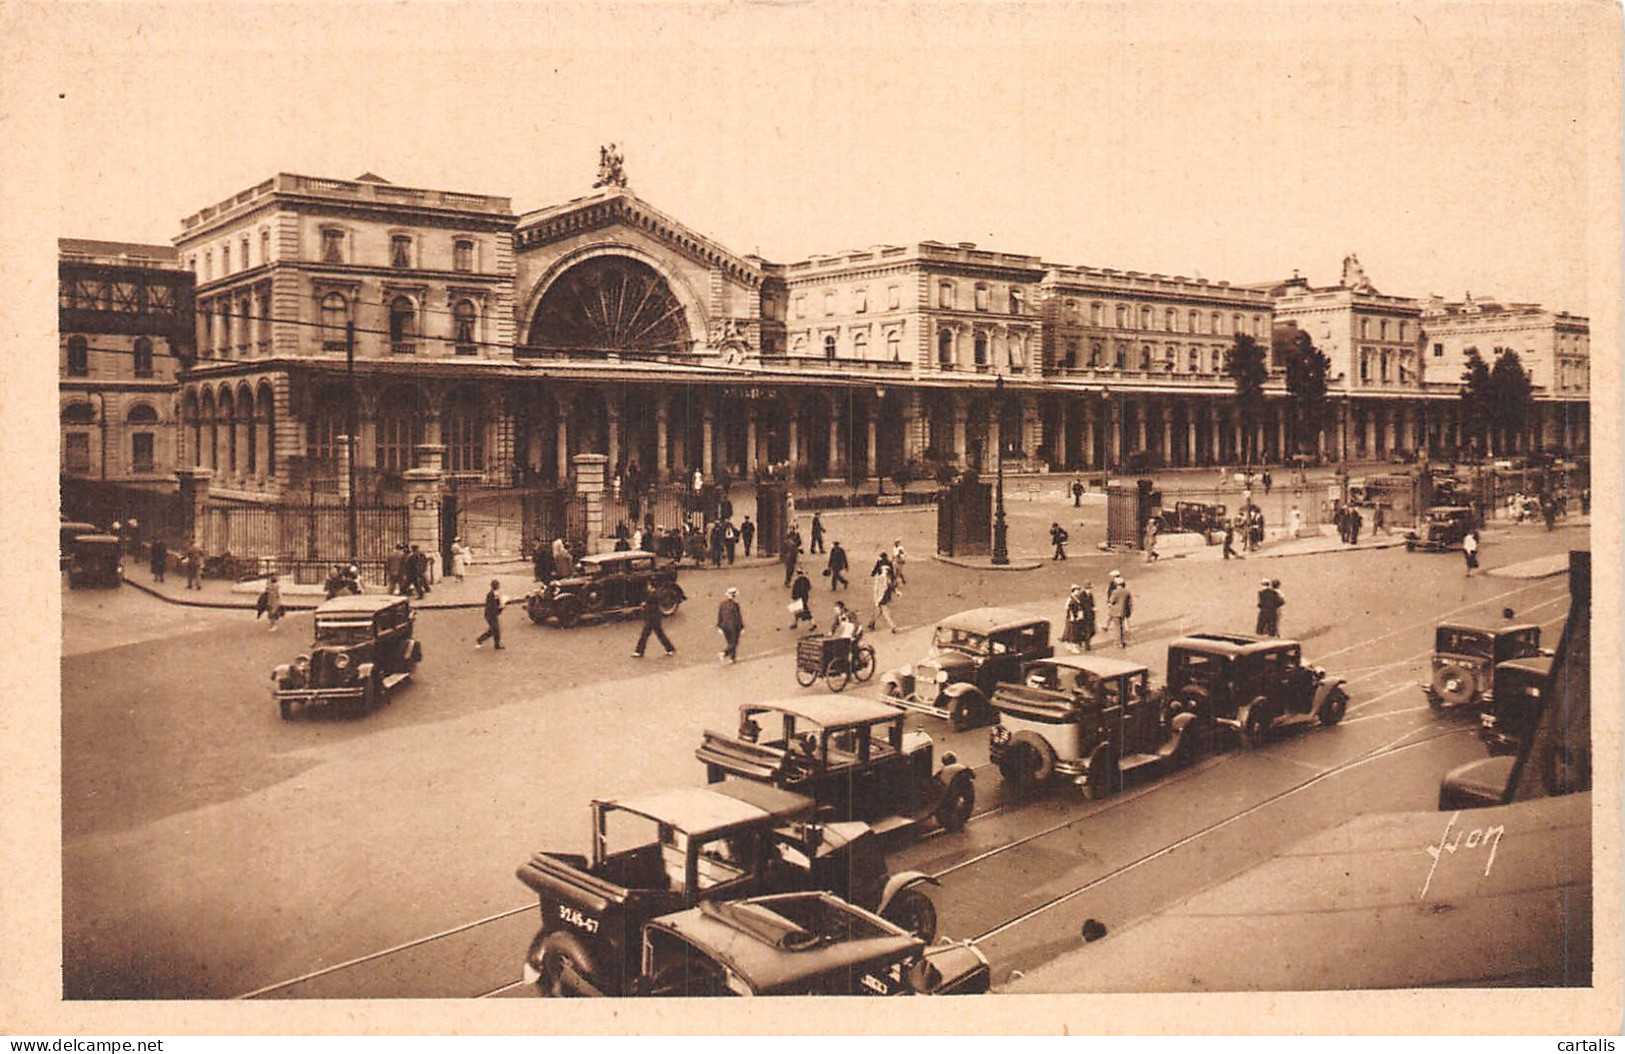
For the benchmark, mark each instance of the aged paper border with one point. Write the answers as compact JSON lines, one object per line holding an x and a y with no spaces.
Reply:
{"x":30,"y":935}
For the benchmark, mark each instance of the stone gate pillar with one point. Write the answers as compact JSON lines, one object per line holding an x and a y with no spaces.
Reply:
{"x":194,"y":495}
{"x":424,"y":486}
{"x":590,"y":469}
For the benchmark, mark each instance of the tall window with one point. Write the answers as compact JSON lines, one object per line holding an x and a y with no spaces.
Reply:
{"x":1097,"y":314}
{"x":1016,"y":301}
{"x":208,"y":265}
{"x":463,"y":319}
{"x":1096,"y":353}
{"x":265,"y":247}
{"x":1120,"y":354}
{"x":945,"y":294}
{"x":225,"y":260}
{"x":244,"y":246}
{"x":1365,"y":363}
{"x":1145,"y":356}
{"x":801,"y":307}
{"x":1382,"y":328}
{"x":400,"y":250}
{"x":1365,"y":329}
{"x":829,"y":346}
{"x":400,"y":428}
{"x":981,"y":297}
{"x":829,"y":303}
{"x":143,"y":356}
{"x":76,"y":452}
{"x":78,"y":357}
{"x":1195,"y":359}
{"x":860,"y":345}
{"x":332,"y":245}
{"x":334,"y":316}
{"x":1170,"y":320}
{"x":1145,"y":317}
{"x":1194,"y":321}
{"x":1438,"y":351}
{"x":980,"y":350}
{"x":141,"y":418}
{"x":402,"y":326}
{"x":1216,"y":323}
{"x":1017,"y":354}
{"x":1218,"y":358}
{"x":894,"y":297}
{"x":462,"y":255}
{"x":1122,"y":317}
{"x":464,"y":434}
{"x":860,"y":301}
{"x":1070,"y":359}
{"x":945,"y":349}
{"x":894,"y":346}
{"x":1403,"y":328}
{"x":1235,"y":324}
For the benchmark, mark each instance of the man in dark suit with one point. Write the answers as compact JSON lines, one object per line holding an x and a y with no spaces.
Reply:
{"x":730,"y":623}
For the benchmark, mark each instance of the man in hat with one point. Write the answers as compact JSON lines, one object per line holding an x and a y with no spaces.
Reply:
{"x":494,"y":600}
{"x":730,"y":623}
{"x":1119,"y":607}
{"x":1269,"y":609}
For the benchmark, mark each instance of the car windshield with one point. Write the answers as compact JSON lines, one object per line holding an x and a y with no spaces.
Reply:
{"x":1517,"y":645}
{"x":1463,"y":642}
{"x":1192,"y":665}
{"x":967,"y":641}
{"x":343,"y":632}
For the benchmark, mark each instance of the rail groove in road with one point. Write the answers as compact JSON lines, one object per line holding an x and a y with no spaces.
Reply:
{"x":1365,"y":673}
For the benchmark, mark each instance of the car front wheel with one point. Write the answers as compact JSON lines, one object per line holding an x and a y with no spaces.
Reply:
{"x":567,"y":612}
{"x":913,"y":911}
{"x":556,"y":956}
{"x":1103,"y":773}
{"x":1334,"y":707}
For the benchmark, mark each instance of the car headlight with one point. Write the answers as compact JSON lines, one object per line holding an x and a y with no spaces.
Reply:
{"x":341,"y":661}
{"x":942,"y":677}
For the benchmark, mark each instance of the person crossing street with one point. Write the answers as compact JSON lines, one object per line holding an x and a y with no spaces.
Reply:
{"x":652,"y":619}
{"x":730,"y":623}
{"x":494,"y":601}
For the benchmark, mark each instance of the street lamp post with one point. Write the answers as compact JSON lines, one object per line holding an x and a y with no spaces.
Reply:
{"x":1001,"y":550}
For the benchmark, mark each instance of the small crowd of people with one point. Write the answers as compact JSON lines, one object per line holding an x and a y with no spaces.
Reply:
{"x":1079,"y":619}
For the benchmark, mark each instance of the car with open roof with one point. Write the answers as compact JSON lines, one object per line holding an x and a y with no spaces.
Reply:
{"x":798,"y":944}
{"x":606,"y":585}
{"x":1465,"y":656}
{"x":1088,"y":720}
{"x":971,"y":652}
{"x":664,"y":851}
{"x":365,"y":649}
{"x":850,"y":755}
{"x":1252,"y":684}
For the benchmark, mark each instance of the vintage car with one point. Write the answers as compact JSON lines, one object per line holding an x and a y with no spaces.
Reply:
{"x":664,"y":851}
{"x":1194,"y":516}
{"x":798,"y":944}
{"x":95,"y":560}
{"x":1515,"y":705}
{"x":1251,"y":684}
{"x":1088,"y":719}
{"x":970,"y":653}
{"x":606,"y":584}
{"x":67,"y":531}
{"x":364,"y":650}
{"x":849,"y":755}
{"x":1465,"y":657}
{"x":1443,"y":527}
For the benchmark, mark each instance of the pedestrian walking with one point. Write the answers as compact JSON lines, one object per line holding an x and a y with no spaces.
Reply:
{"x":1072,"y":630}
{"x":160,"y":559}
{"x":747,"y":534}
{"x":1119,"y":607}
{"x":1295,"y":521}
{"x":1269,"y":607}
{"x":1469,"y":549}
{"x":837,"y":567}
{"x":1355,"y":523}
{"x":801,"y":601}
{"x":194,"y":568}
{"x":716,"y":545}
{"x":730,"y":539}
{"x":270,"y":602}
{"x":652,"y":619}
{"x":883,"y":588}
{"x":1077,"y":492}
{"x":1151,"y":541}
{"x":460,"y":557}
{"x":789,"y":553}
{"x":1379,"y":519}
{"x":1058,"y":537}
{"x":1230,"y":539}
{"x":730,"y":623}
{"x":1087,"y":599}
{"x":817,"y":544}
{"x":494,"y":601}
{"x":1341,"y":518}
{"x":417,"y":574}
{"x":1267,"y":482}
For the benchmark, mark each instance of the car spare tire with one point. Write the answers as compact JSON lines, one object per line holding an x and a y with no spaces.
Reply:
{"x":1453,"y":684}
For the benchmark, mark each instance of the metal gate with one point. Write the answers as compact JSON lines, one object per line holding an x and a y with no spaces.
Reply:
{"x":965,"y":518}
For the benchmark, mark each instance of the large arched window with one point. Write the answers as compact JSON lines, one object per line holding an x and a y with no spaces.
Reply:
{"x":860,"y":345}
{"x":228,"y":418}
{"x":400,"y":428}
{"x":403,"y":326}
{"x":143,"y":356}
{"x":78,"y":414}
{"x":464,"y":317}
{"x":894,"y":346}
{"x":78,"y":357}
{"x":265,"y":402}
{"x":249,"y":423}
{"x":463,"y":432}
{"x":335,"y":313}
{"x":829,"y":346}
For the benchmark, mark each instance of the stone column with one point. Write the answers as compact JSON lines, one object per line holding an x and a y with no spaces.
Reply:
{"x":561,"y":440}
{"x":589,"y":484}
{"x":707,"y":451}
{"x":1216,"y":451}
{"x":1032,"y":424}
{"x":1370,"y":432}
{"x":1167,"y":433}
{"x":1114,"y":433}
{"x":793,"y":446}
{"x":612,"y":425}
{"x":1241,"y":436}
{"x":1280,"y":433}
{"x":423,"y":489}
{"x":961,"y":413}
{"x":1088,"y":435}
{"x":869,"y":454}
{"x":1190,"y":434}
{"x":662,"y":455}
{"x":1141,"y":409}
{"x":1260,"y":436}
{"x":832,"y":459}
{"x":750,"y":442}
{"x":914,"y":441}
{"x":1342,"y":426}
{"x":194,"y":496}
{"x":1393,"y":414}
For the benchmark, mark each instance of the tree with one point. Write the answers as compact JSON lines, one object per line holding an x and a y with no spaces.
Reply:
{"x":1475,"y":401}
{"x":1244,"y":363}
{"x":1306,"y":370}
{"x":1511,"y":397}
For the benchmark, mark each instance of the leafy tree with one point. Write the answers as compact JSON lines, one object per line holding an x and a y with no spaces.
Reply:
{"x":1244,"y":363}
{"x":1476,"y":405}
{"x":1306,"y":370}
{"x":1511,"y":397}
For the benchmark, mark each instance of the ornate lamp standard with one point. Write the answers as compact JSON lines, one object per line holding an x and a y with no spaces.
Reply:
{"x":1001,"y":551}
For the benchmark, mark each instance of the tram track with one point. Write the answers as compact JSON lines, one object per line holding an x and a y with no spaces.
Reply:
{"x":1387,"y":749}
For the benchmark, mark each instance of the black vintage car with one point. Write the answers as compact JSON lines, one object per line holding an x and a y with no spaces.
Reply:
{"x":1465,"y":657}
{"x":971,"y":652}
{"x":798,"y":944}
{"x":1194,"y":516}
{"x":606,"y":584}
{"x":67,"y":532}
{"x":664,"y":851}
{"x":850,"y":755}
{"x":95,"y":560}
{"x":1443,"y":527}
{"x":1087,"y":720}
{"x":364,"y":650}
{"x":1251,"y":684}
{"x":1514,"y":709}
